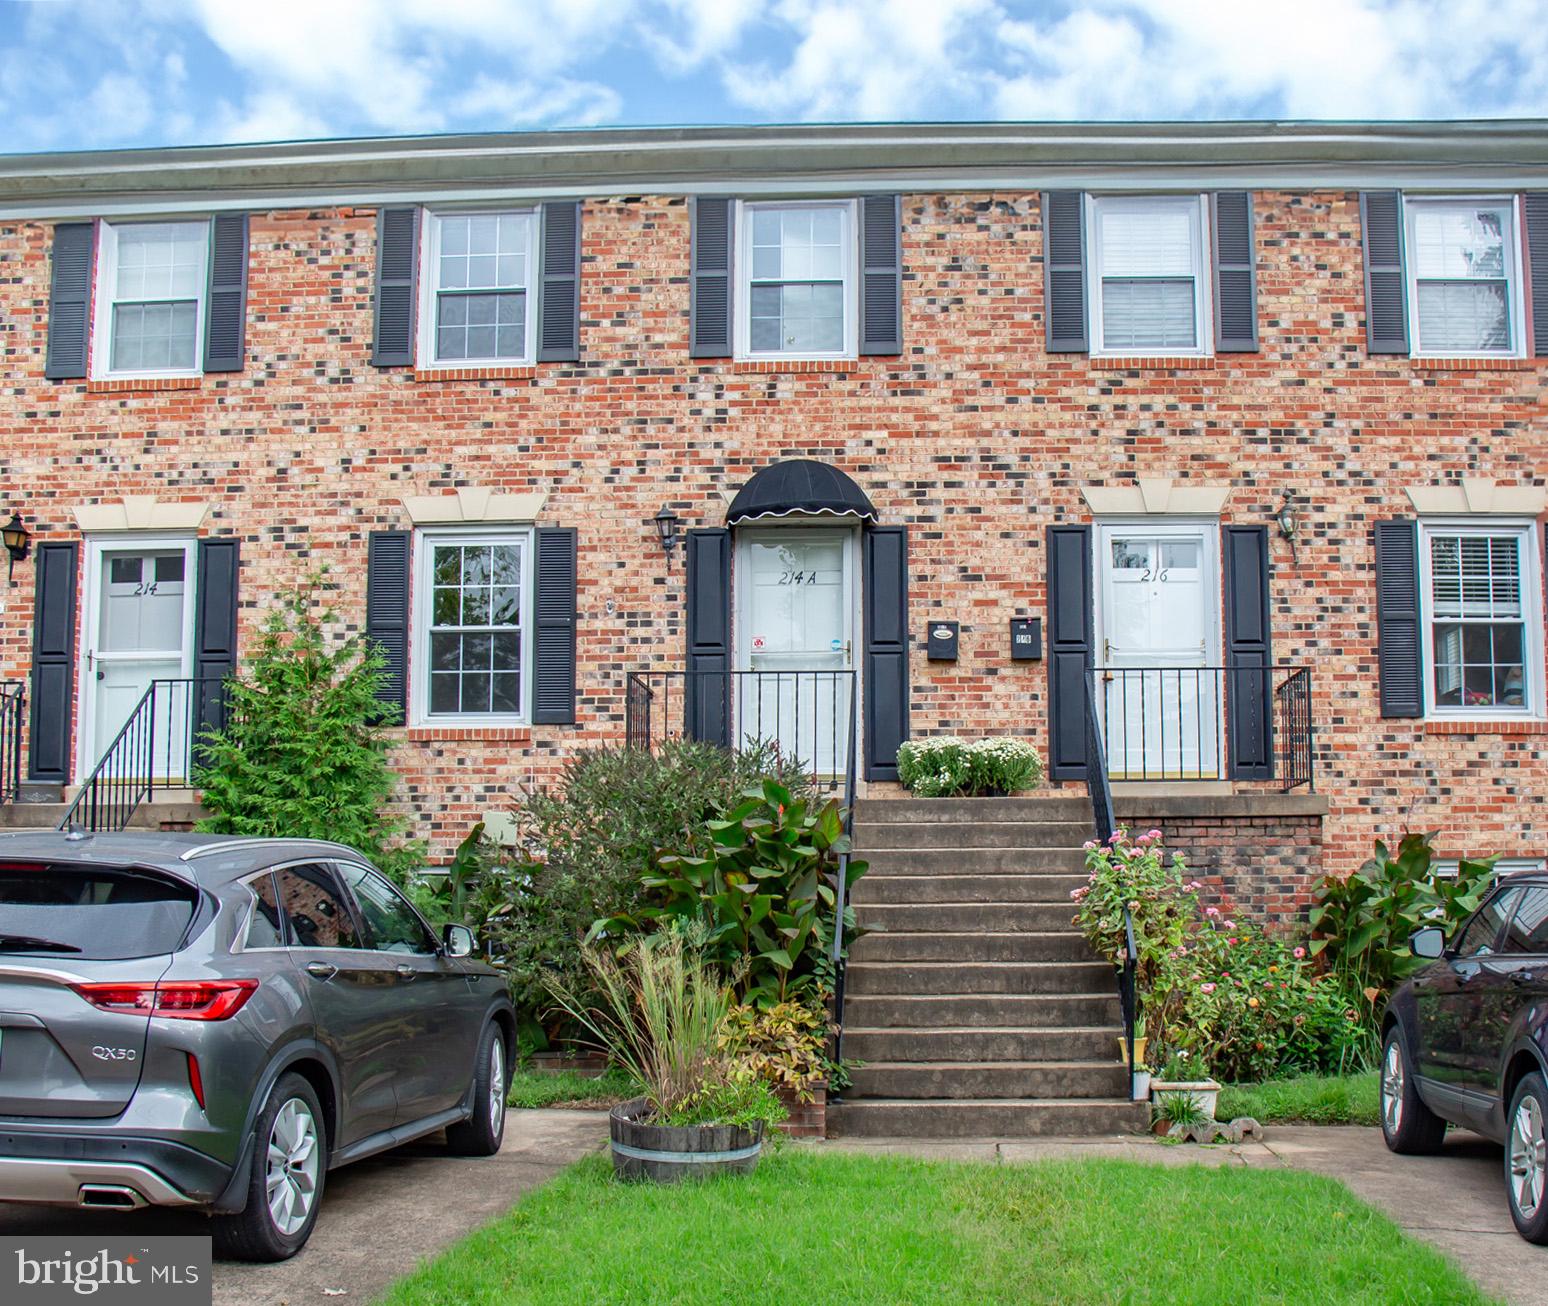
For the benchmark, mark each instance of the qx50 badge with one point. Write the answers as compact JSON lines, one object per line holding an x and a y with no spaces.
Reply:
{"x":113,"y":1054}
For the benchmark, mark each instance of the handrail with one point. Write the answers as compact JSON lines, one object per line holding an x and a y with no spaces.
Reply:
{"x":13,"y":697}
{"x":839,"y":964}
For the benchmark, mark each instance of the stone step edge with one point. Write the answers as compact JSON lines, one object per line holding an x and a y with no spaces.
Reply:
{"x":964,"y":1103}
{"x":1053,"y":1063}
{"x":1043,"y":963}
{"x":932,"y":1030}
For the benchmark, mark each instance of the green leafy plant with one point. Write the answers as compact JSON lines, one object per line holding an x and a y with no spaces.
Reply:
{"x":469,"y":889}
{"x":1180,"y":1110}
{"x":784,"y":1045}
{"x":1163,"y":904}
{"x":943,"y":767}
{"x":304,"y":750}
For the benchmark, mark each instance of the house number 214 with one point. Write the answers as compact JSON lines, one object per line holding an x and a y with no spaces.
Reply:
{"x":798,"y":578}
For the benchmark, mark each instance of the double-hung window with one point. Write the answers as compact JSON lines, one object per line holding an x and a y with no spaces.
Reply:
{"x":478,"y":304}
{"x":1483,"y":648}
{"x":1149,"y":284}
{"x":151,"y":285}
{"x":1464,"y":280}
{"x":798,"y":266}
{"x":471,"y":620}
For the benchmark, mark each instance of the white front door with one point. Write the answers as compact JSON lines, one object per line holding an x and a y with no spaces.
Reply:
{"x":1157,"y":631}
{"x":795,"y":639}
{"x":139,"y":623}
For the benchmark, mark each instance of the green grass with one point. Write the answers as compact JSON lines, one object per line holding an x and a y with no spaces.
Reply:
{"x":535,"y":1088}
{"x":1307,"y":1099}
{"x":813,"y":1226}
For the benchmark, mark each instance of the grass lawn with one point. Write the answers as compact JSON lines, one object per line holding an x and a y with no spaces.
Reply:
{"x":1307,"y":1099}
{"x":534,"y":1088}
{"x":842,"y":1228}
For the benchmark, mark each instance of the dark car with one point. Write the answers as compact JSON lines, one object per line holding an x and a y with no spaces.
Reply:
{"x":1465,"y":1042}
{"x":200,"y":1021}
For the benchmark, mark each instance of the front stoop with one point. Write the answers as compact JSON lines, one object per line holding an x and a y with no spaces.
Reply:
{"x":975,"y":1006}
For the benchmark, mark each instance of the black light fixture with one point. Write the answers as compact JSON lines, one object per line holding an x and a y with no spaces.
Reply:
{"x":17,"y":543}
{"x":666,"y":530}
{"x":1289,"y":523}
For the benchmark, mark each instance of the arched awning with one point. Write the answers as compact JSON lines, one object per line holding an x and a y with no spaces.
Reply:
{"x":800,"y":487}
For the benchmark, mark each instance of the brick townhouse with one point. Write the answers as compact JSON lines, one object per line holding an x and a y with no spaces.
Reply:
{"x":1229,"y":437}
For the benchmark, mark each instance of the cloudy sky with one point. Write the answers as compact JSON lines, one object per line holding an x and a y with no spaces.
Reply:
{"x":76,"y":74}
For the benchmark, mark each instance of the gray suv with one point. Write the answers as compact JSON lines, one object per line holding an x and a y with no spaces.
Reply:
{"x":196,"y":1020}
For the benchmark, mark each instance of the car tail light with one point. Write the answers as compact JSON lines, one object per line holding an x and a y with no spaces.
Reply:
{"x":196,"y":1080}
{"x":194,"y":1000}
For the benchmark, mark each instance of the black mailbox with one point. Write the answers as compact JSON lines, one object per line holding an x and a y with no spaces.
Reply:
{"x":1026,"y":639}
{"x":943,"y":641}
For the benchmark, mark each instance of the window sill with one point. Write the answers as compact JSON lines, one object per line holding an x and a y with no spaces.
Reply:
{"x":129,"y":384}
{"x":1476,"y":364}
{"x":1496,"y":727}
{"x":494,"y":372}
{"x":430,"y":734}
{"x":1152,"y":362}
{"x":756,"y":366}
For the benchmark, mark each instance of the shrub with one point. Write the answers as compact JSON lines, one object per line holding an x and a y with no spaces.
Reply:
{"x":945,"y":768}
{"x":785,"y":1045}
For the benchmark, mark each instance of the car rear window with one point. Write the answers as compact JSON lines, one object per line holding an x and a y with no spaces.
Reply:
{"x":89,"y":912}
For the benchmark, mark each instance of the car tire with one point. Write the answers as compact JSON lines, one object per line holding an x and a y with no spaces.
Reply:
{"x":481,"y":1132}
{"x":285,"y":1188}
{"x":1526,"y":1166}
{"x":1408,"y":1125}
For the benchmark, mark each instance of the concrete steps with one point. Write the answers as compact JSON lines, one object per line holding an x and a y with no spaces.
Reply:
{"x":1010,"y":860}
{"x":935,"y":978}
{"x":1008,"y":1080}
{"x":964,"y":917}
{"x":902,"y":890}
{"x":984,"y":1117}
{"x":998,"y":1043}
{"x":985,"y":945}
{"x":155,"y":815}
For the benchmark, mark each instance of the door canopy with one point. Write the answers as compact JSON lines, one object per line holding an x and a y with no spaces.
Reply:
{"x":802,"y":488}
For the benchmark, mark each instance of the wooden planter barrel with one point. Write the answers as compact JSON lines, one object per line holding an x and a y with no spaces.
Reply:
{"x":666,"y":1154}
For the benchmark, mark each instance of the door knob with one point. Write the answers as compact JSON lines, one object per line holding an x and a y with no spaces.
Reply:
{"x":321,"y":969}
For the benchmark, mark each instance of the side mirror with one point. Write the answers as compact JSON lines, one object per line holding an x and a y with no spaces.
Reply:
{"x":457,"y":940}
{"x":1429,"y":942}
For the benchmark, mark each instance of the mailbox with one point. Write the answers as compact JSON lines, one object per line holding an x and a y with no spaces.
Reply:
{"x":943,"y":641}
{"x":1026,"y":639}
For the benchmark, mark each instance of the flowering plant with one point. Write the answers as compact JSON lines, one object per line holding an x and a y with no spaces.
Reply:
{"x":943,"y":767}
{"x":1162,"y":902}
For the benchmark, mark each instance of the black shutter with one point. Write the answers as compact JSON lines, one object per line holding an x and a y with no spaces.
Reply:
{"x":225,"y":322}
{"x":1064,"y":271}
{"x":387,"y":616}
{"x":69,"y":301}
{"x":1069,"y":649}
{"x":881,"y":278}
{"x":1397,"y":618}
{"x":1249,"y":654}
{"x":553,"y":670}
{"x":1535,"y":202}
{"x":53,"y":663}
{"x":559,"y":299}
{"x":707,"y":695}
{"x":215,"y":632}
{"x":885,"y":668}
{"x":710,"y":297}
{"x":1236,"y":278}
{"x":397,"y":286}
{"x":1386,"y":294}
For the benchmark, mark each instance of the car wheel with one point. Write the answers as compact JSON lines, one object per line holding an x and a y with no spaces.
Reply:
{"x":1526,"y":1158}
{"x":1407,"y":1124}
{"x":290,"y":1162}
{"x":480,"y":1133}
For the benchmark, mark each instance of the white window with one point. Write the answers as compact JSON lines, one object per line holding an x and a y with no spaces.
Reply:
{"x":478,"y":305}
{"x":797,"y":283}
{"x":1149,"y":283}
{"x":1483,"y":648}
{"x":472,"y":628}
{"x":151,"y":279}
{"x":1463,"y":277}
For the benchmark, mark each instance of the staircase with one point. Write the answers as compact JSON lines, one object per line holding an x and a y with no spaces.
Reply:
{"x":977,"y":1009}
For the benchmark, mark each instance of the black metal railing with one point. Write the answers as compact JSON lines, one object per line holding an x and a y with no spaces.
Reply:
{"x":155,"y":748}
{"x":13,"y":697}
{"x":1295,"y":733}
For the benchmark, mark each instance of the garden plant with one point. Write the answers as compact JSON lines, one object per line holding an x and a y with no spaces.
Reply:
{"x":943,"y":767}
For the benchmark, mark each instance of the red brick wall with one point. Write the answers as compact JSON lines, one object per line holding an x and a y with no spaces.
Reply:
{"x":975,"y":437}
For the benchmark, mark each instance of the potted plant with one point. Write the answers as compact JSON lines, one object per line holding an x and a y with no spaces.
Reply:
{"x":1139,"y":1079}
{"x":944,"y":767}
{"x":1140,"y":1042}
{"x":1188,"y":1077}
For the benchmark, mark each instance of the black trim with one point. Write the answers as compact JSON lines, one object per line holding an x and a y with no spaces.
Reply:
{"x":1070,"y":640}
{"x":884,"y":684}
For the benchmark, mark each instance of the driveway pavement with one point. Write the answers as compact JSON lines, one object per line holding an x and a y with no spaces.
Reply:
{"x":379,"y":1216}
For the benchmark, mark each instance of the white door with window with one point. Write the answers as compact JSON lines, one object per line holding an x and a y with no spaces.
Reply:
{"x":1157,"y":629}
{"x":139,"y":625}
{"x":795,"y":642}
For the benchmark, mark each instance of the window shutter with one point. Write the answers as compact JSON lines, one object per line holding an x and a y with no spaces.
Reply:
{"x":397,"y":286}
{"x":1386,"y":294}
{"x":215,"y":631}
{"x":1064,"y":272}
{"x":559,"y":296}
{"x":387,"y":616}
{"x":1069,"y":649}
{"x":69,"y":301}
{"x":553,"y":689}
{"x":1249,"y":654}
{"x":225,"y":317}
{"x":707,"y":695}
{"x":710,"y":293}
{"x":1397,"y":618}
{"x":1236,"y":278}
{"x":886,"y":648}
{"x":1535,"y":206}
{"x":53,"y":663}
{"x":881,"y":261}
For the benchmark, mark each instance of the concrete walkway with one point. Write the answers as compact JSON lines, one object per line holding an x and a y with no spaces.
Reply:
{"x":379,"y":1217}
{"x":1454,"y":1201}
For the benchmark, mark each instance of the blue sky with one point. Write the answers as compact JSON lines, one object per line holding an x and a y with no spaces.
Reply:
{"x":79,"y":74}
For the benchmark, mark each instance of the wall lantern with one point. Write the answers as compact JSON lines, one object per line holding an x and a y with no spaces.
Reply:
{"x":1289,"y":523}
{"x":666,"y":531}
{"x":17,"y":543}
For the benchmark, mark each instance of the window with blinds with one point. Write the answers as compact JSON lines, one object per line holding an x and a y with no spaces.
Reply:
{"x":1478,"y":591}
{"x":1463,"y":276}
{"x":1148,"y":274}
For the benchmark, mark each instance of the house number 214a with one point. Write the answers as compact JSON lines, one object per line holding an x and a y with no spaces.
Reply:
{"x":798,"y":578}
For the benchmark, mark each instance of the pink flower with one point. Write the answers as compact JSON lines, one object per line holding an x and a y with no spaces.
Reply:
{"x":1298,"y":953}
{"x":1212,"y":911}
{"x":1089,"y":844}
{"x":1153,"y":834}
{"x":1233,"y":941}
{"x":1195,"y":885}
{"x":1206,"y":988}
{"x":1080,"y":893}
{"x":1230,"y":925}
{"x":1115,"y":836}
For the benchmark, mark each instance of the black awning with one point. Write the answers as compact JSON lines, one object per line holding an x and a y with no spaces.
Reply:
{"x":799,"y":487}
